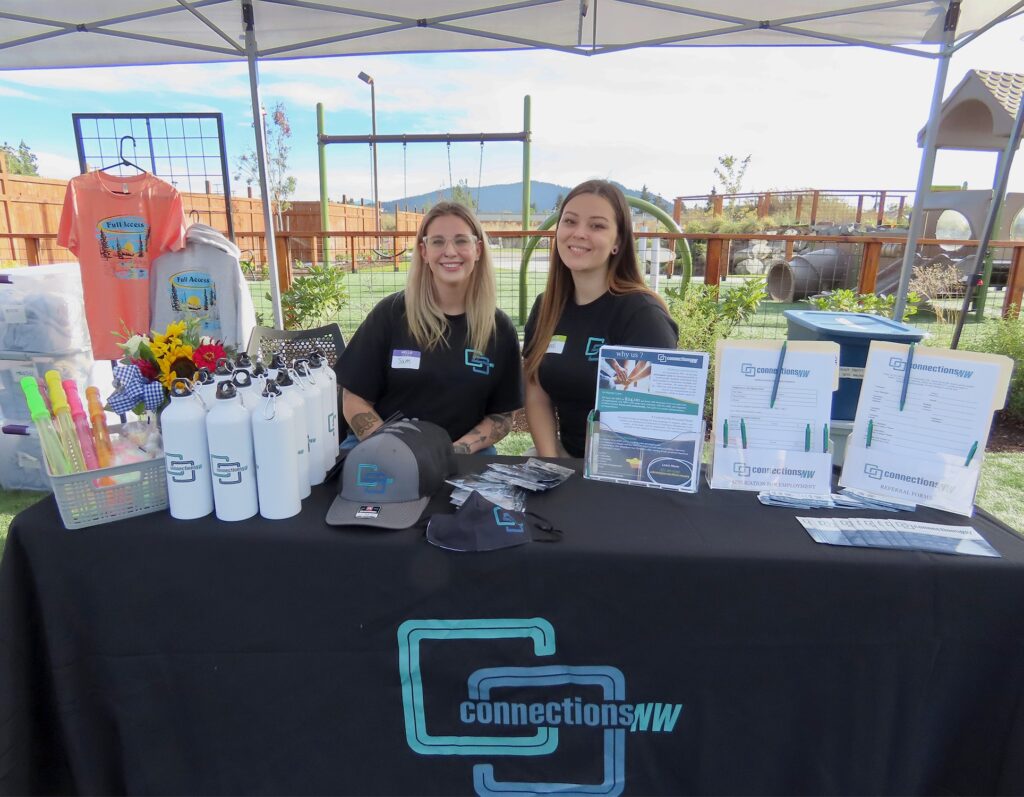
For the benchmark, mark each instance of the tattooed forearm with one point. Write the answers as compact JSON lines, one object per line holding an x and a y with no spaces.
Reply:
{"x":486,"y":433}
{"x":365,"y":422}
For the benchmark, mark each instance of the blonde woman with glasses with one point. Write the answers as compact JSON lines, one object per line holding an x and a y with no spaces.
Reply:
{"x":440,"y":350}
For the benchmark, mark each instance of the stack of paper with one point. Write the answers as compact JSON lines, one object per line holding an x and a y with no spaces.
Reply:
{"x":851,"y":498}
{"x":796,"y":500}
{"x":905,"y":534}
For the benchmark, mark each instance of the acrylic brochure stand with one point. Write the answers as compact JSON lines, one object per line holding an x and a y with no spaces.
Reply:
{"x":642,"y":461}
{"x":923,"y":422}
{"x":647,"y":426}
{"x":772,"y":408}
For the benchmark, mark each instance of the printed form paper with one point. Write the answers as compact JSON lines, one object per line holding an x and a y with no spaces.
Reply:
{"x":930,"y":451}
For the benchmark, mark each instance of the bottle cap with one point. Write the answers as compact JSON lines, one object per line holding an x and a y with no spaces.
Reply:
{"x":74,"y":400}
{"x":284,"y":378}
{"x":181,"y":388}
{"x":243,"y":361}
{"x":204,"y":377}
{"x":315,"y":360}
{"x":241,"y":378}
{"x":92,"y":398}
{"x":278,"y":362}
{"x":36,"y":407}
{"x":271,"y":389}
{"x":224,"y":367}
{"x":58,"y":399}
{"x":226,"y":390}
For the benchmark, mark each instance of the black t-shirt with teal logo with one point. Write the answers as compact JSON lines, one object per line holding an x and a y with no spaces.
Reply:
{"x":568,"y":371}
{"x":453,"y":386}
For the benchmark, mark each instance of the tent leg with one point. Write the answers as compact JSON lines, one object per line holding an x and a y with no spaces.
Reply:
{"x":927,"y":169}
{"x":261,"y":161}
{"x":998,"y":195}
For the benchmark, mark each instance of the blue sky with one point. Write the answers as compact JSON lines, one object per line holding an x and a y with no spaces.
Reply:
{"x":825,"y":116}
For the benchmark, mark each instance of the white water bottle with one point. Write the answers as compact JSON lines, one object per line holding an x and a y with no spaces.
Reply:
{"x":183,"y":422}
{"x":246,"y":388}
{"x":329,"y":387}
{"x":312,"y":415}
{"x":321,"y":447}
{"x":229,"y":432}
{"x":290,"y":392}
{"x":206,"y":387}
{"x":277,"y":467}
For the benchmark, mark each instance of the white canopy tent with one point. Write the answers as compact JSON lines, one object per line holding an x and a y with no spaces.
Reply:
{"x":68,"y":33}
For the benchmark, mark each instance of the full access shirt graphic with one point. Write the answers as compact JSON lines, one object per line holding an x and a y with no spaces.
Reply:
{"x":194,"y":293}
{"x":124,"y":246}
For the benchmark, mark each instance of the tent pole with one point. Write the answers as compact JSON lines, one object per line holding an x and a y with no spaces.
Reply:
{"x":261,"y":160}
{"x":978,"y":279}
{"x":927,"y":168}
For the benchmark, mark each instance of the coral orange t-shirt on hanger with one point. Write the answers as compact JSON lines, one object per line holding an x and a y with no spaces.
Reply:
{"x":117,"y":226}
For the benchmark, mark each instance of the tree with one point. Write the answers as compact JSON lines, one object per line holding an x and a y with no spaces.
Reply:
{"x":462,"y":194}
{"x":281,"y":184}
{"x":645,"y":194}
{"x":730,"y":172}
{"x":20,"y":160}
{"x":558,"y":202}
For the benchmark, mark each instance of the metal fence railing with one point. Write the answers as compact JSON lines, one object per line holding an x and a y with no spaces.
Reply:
{"x":368,"y":266}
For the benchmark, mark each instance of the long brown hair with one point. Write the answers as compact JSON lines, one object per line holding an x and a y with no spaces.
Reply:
{"x":427,"y":322}
{"x":624,"y":274}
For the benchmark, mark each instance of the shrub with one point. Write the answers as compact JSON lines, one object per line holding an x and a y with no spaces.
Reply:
{"x":704,"y":317}
{"x":314,"y":297}
{"x":845,"y":300}
{"x":935,"y":281}
{"x":1006,"y":336}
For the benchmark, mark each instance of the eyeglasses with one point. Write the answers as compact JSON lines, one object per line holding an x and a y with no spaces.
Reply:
{"x":461,"y":242}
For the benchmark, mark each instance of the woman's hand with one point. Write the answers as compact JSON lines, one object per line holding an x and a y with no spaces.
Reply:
{"x":362,"y":418}
{"x":486,"y":433}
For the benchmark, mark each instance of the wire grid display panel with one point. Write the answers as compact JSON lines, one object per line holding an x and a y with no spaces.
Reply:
{"x":186,"y":150}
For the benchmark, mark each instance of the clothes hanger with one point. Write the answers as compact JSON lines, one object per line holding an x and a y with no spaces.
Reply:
{"x":123,"y":162}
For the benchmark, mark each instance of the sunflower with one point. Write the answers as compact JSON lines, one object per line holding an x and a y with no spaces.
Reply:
{"x":176,"y":363}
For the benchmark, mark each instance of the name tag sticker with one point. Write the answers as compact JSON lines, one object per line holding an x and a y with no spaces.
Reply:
{"x":556,"y":345}
{"x":402,"y":358}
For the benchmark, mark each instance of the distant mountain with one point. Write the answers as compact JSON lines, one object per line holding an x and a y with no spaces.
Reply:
{"x":507,"y":198}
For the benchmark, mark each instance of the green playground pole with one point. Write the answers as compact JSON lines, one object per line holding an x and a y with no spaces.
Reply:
{"x":322,"y":153}
{"x":526,"y":206}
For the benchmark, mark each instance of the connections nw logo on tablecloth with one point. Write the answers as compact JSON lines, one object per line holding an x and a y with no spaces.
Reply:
{"x":543,"y":721}
{"x":478,"y":363}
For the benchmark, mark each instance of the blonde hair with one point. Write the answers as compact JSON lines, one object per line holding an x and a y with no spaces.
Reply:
{"x":624,"y":274}
{"x":426,"y":320}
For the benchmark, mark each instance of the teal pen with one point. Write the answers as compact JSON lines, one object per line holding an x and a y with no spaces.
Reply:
{"x":725,"y":433}
{"x":906,"y":376}
{"x":778,"y":375}
{"x":871,"y":429}
{"x":824,"y":439}
{"x":807,"y":438}
{"x":971,"y":453}
{"x":743,"y":431}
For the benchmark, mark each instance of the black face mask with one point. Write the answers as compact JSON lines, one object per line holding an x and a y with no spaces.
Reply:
{"x":479,"y":525}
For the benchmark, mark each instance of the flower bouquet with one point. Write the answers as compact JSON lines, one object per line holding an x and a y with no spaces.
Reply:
{"x":152,"y":362}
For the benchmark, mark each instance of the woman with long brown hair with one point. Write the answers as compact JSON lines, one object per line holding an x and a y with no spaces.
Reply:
{"x":595,"y":295}
{"x":441,"y":350}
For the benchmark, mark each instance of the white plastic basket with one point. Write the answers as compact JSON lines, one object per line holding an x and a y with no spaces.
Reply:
{"x":100,"y":496}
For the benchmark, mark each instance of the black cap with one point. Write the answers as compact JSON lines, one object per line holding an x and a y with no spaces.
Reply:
{"x":243,"y":361}
{"x":204,"y":377}
{"x":241,"y":378}
{"x":270,"y":389}
{"x":180,"y":388}
{"x":389,"y":477}
{"x":284,"y":378}
{"x":278,"y":361}
{"x":224,"y":367}
{"x":226,"y":390}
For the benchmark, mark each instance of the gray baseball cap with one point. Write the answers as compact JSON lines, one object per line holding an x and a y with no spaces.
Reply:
{"x":388,"y":478}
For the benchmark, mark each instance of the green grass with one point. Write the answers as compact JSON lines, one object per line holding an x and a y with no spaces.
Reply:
{"x":11,"y":503}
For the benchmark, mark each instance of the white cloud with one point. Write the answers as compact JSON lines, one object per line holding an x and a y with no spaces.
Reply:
{"x":57,"y":166}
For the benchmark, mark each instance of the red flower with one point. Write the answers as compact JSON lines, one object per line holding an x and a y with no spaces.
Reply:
{"x":148,"y":369}
{"x":206,"y":356}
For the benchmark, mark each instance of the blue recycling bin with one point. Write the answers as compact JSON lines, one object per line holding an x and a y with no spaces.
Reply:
{"x":854,"y":333}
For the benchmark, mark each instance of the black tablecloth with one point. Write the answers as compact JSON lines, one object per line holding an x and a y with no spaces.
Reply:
{"x":674,"y":644}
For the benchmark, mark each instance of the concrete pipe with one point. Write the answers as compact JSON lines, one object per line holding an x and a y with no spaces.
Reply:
{"x":748,"y":265}
{"x":808,"y":274}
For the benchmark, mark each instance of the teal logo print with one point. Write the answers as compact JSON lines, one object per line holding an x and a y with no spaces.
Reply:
{"x":478,"y":363}
{"x":594,"y":347}
{"x":505,"y":520}
{"x":372,"y":479}
{"x":483,"y":707}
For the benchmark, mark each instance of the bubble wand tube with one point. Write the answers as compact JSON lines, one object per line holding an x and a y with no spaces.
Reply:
{"x":100,"y":433}
{"x":65,"y":426}
{"x":52,"y":449}
{"x":81,"y":425}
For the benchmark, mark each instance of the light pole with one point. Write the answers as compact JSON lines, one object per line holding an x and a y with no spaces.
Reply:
{"x":373,"y":122}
